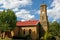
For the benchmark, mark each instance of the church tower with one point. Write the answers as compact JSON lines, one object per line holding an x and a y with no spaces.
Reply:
{"x":43,"y":16}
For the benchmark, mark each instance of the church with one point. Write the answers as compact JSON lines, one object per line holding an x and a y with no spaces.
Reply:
{"x":35,"y":28}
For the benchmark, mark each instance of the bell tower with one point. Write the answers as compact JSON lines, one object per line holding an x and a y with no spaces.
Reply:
{"x":43,"y":16}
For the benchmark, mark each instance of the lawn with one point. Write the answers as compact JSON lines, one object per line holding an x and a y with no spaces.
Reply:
{"x":10,"y":39}
{"x":6,"y":39}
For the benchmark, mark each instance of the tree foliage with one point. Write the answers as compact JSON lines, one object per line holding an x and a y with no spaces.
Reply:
{"x":11,"y":19}
{"x":54,"y":28}
{"x":7,"y":20}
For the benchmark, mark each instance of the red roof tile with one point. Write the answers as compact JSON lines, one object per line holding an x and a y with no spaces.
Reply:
{"x":27,"y":23}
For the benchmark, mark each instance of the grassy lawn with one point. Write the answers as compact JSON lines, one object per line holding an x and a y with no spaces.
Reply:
{"x":9,"y":39}
{"x":6,"y":39}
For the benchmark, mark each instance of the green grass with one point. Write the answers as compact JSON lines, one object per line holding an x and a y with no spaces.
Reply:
{"x":6,"y":39}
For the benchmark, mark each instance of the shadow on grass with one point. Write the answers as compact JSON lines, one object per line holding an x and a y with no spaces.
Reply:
{"x":28,"y":37}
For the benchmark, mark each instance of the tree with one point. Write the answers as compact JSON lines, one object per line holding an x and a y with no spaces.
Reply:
{"x":3,"y":24}
{"x":7,"y":20}
{"x":11,"y":19}
{"x":54,"y":28}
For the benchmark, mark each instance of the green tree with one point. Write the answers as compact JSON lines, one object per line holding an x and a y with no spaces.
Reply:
{"x":54,"y":28}
{"x":3,"y":24}
{"x":11,"y":19}
{"x":7,"y":20}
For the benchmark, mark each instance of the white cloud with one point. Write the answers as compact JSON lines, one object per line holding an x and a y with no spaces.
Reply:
{"x":14,"y":3}
{"x":24,"y":14}
{"x":55,"y":11}
{"x":23,"y":20}
{"x":38,"y":11}
{"x":15,"y":9}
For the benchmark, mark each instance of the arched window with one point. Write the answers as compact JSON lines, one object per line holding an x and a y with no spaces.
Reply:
{"x":30,"y":31}
{"x":23,"y":31}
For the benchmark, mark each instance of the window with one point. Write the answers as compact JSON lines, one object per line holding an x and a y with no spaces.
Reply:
{"x":24,"y":31}
{"x":29,"y":31}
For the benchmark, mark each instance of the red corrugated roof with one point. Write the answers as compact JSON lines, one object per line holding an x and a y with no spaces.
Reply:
{"x":27,"y":23}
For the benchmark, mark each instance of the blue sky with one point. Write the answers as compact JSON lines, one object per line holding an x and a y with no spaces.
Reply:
{"x":30,"y":9}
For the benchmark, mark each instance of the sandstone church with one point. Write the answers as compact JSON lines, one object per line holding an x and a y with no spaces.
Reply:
{"x":36,"y":28}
